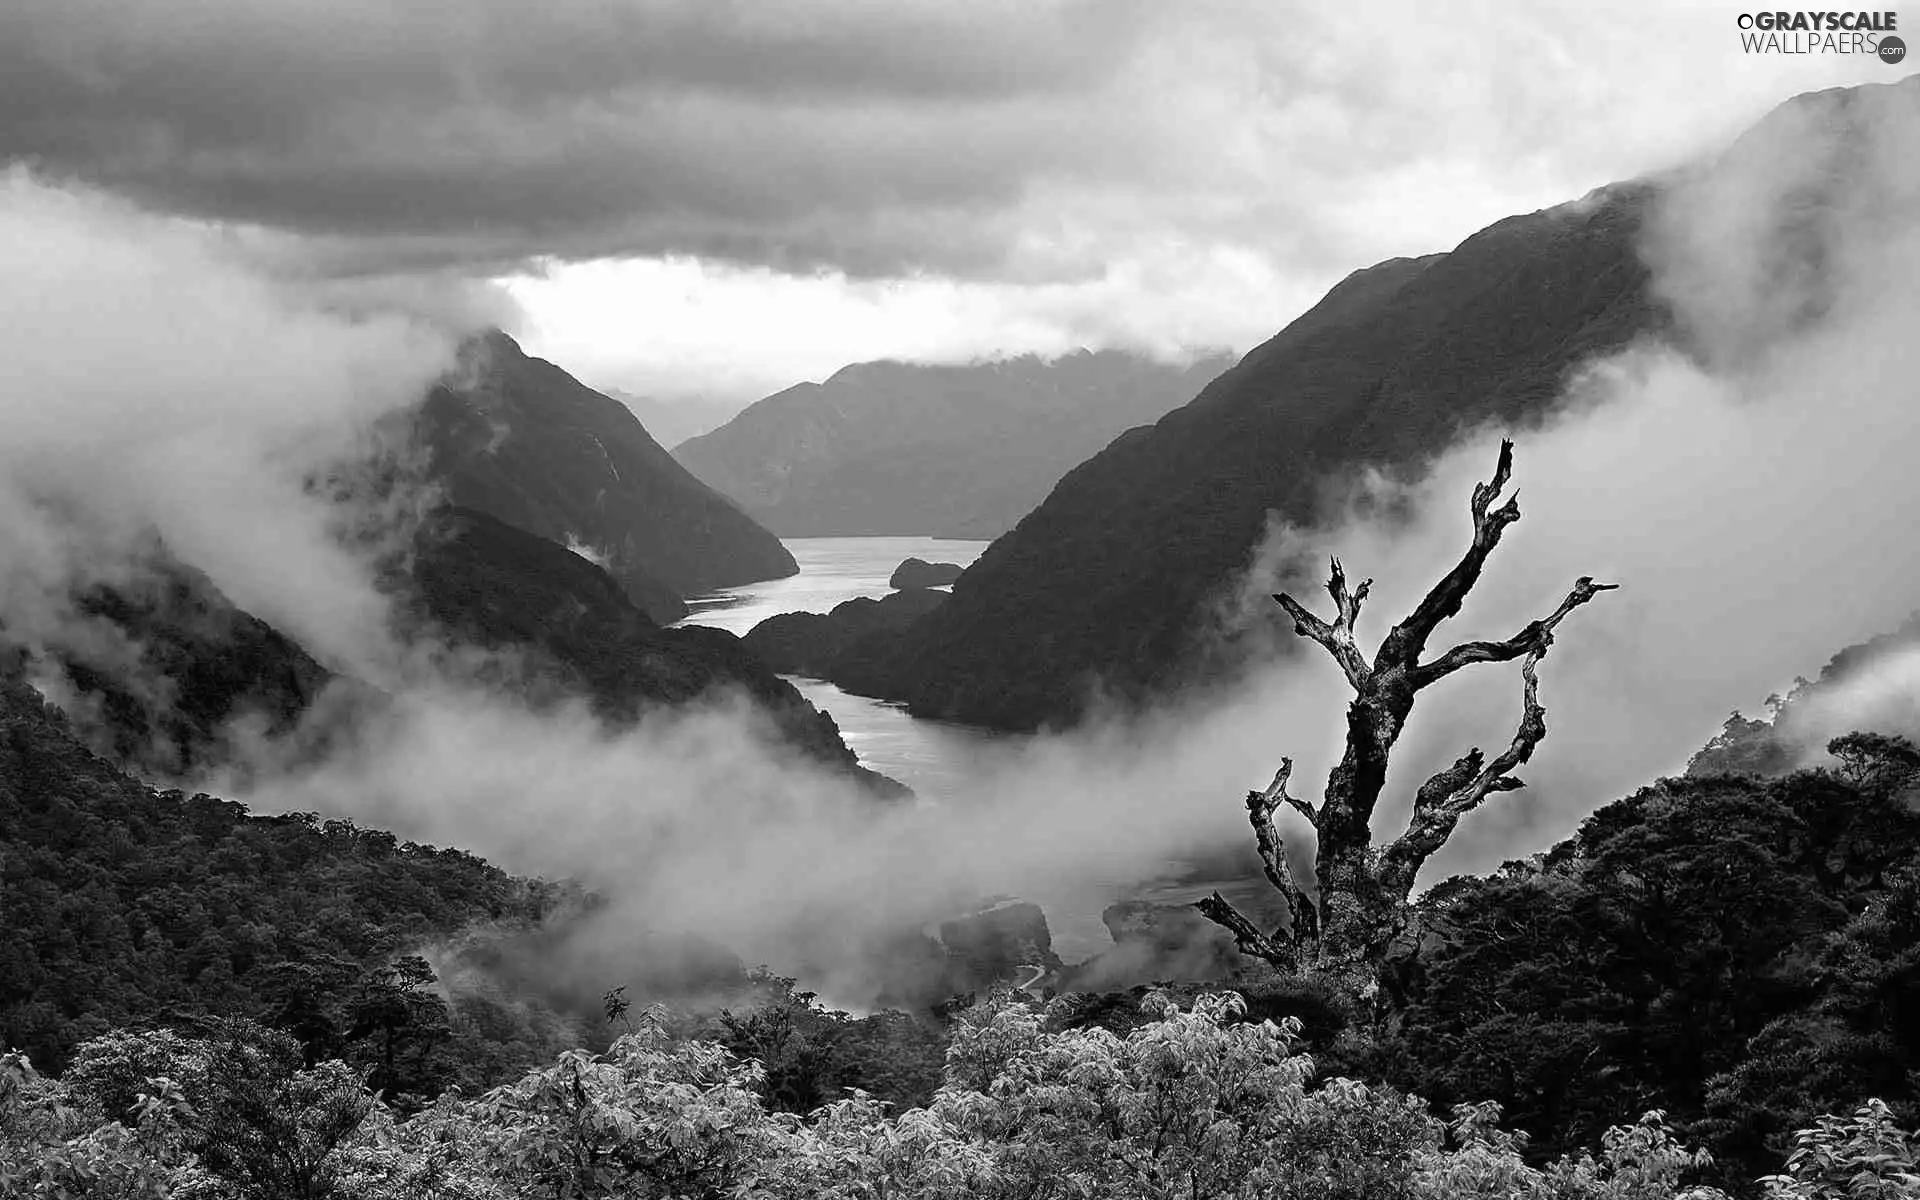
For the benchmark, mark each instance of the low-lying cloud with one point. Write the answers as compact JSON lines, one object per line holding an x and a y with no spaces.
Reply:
{"x":159,"y":385}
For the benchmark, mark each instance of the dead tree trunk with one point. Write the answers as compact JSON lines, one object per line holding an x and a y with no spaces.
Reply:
{"x":1360,"y":905}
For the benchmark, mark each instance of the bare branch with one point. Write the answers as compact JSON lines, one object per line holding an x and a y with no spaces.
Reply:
{"x":1260,"y":805}
{"x":1246,"y":935}
{"x":1273,"y":852}
{"x":1338,"y":636}
{"x":1484,"y":494}
{"x":1404,"y":644}
{"x":1537,"y":635}
{"x":1346,"y":604}
{"x":1463,"y":787}
{"x":1303,"y":919}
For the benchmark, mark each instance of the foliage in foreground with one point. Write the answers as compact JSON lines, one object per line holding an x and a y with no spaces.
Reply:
{"x":1199,"y":1103}
{"x":119,"y":904}
{"x":1743,"y":954}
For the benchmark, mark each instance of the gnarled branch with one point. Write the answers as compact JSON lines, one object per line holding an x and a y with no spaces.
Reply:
{"x":1260,"y":805}
{"x":1303,"y":920}
{"x":1246,"y":935}
{"x":1463,"y":787}
{"x":1273,"y":853}
{"x":1338,"y":636}
{"x":1537,"y":635}
{"x":1402,"y":646}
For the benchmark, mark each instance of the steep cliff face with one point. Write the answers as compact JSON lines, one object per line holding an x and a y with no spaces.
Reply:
{"x":888,"y":448}
{"x":1106,"y":579}
{"x":519,"y":439}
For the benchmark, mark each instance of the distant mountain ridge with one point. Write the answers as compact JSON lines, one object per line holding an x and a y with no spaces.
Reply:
{"x":674,"y":421}
{"x":521,"y":440}
{"x":893,"y":448}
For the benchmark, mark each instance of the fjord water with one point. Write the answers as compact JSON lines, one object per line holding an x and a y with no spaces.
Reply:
{"x":934,"y":758}
{"x":831,"y":570}
{"x":931,"y":757}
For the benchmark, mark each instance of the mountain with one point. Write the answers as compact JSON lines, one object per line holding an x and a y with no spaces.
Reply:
{"x":521,"y":440}
{"x":160,"y":662}
{"x":157,"y":667}
{"x":674,"y":421}
{"x":1109,"y":578}
{"x":498,"y":587}
{"x":891,"y":448}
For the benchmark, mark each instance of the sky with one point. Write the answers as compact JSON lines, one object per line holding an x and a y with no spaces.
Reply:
{"x":715,"y":199}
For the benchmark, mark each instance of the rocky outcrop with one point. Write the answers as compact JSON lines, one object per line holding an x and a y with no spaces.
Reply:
{"x":1007,"y":942}
{"x":919,"y":573}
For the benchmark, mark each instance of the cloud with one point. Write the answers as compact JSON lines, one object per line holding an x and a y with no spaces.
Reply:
{"x":720,"y":199}
{"x":158,"y":384}
{"x":1011,"y":141}
{"x":498,"y":130}
{"x":682,"y":327}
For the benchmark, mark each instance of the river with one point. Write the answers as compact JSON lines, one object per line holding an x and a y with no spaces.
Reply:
{"x":931,"y":757}
{"x":934,"y":758}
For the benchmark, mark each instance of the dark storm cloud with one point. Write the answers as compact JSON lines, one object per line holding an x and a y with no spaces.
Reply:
{"x":1010,"y":140}
{"x":862,"y":135}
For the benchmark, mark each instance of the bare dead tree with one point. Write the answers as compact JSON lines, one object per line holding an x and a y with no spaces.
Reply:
{"x":1361,"y":903}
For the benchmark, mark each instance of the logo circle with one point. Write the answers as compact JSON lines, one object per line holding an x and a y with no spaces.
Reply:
{"x":1892,"y":50}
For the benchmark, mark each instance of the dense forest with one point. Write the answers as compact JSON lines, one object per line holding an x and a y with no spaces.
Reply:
{"x":1740,"y":953}
{"x":1195,"y":1102}
{"x":125,"y":905}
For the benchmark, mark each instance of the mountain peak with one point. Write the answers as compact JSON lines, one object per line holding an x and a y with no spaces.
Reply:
{"x":519,"y":439}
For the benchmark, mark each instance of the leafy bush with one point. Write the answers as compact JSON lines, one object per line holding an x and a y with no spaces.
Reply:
{"x":1198,"y":1102}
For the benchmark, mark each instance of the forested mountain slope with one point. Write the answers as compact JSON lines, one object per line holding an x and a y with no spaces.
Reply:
{"x":1106,"y":578}
{"x":521,"y":440}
